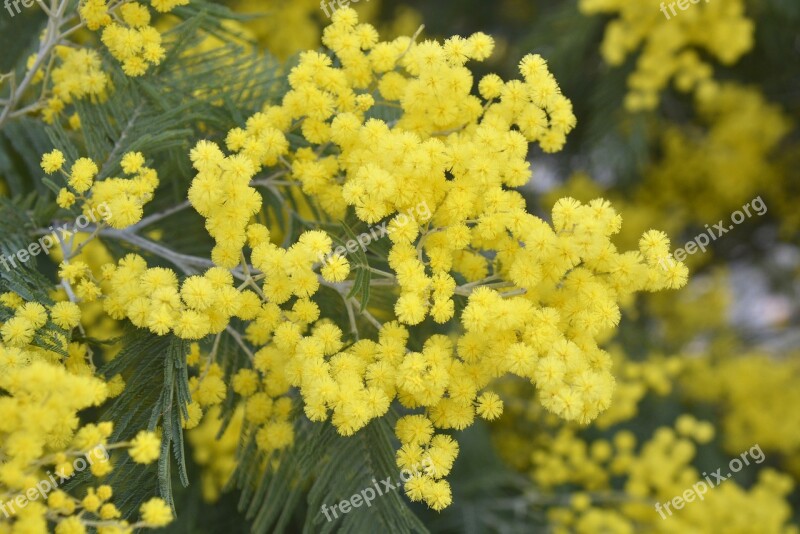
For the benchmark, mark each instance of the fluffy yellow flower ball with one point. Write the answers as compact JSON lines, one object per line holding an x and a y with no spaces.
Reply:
{"x":145,"y":447}
{"x":156,"y":513}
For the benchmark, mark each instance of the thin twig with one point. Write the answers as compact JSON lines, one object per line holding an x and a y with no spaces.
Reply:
{"x":44,"y":8}
{"x":238,"y":338}
{"x":211,"y":356}
{"x":350,"y":316}
{"x":268,"y":180}
{"x":150,"y":219}
{"x":376,"y":271}
{"x":411,"y":43}
{"x":122,"y":136}
{"x":87,"y":241}
{"x":367,"y":315}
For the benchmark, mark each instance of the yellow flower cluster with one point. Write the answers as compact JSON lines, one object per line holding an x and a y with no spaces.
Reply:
{"x":743,"y":130}
{"x":657,"y":472}
{"x":573,"y":279}
{"x":757,"y":395}
{"x":40,"y":404}
{"x":122,"y":198}
{"x":268,"y":411}
{"x":127,"y":32}
{"x":565,"y":458}
{"x":29,"y":317}
{"x":39,"y":411}
{"x":153,"y":299}
{"x":267,"y":408}
{"x":455,"y":153}
{"x":435,"y":453}
{"x":432,"y":86}
{"x":220,"y":192}
{"x":564,"y":462}
{"x":539,"y":297}
{"x":27,"y":327}
{"x":78,"y":74}
{"x":671,"y":46}
{"x":201,"y":305}
{"x":41,"y":428}
{"x":95,"y":322}
{"x":523,"y":308}
{"x":155,"y":513}
{"x":80,"y":277}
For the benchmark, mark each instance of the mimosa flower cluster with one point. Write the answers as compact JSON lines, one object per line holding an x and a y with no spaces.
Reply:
{"x":554,"y":288}
{"x":45,"y":486}
{"x":75,"y":72}
{"x":78,"y":75}
{"x":670,"y":50}
{"x":123,"y":198}
{"x":756,"y":393}
{"x":151,"y":298}
{"x":741,"y":132}
{"x":612,"y":483}
{"x":127,"y":32}
{"x":43,"y":393}
{"x":690,"y":494}
{"x":539,"y":297}
{"x":656,"y":471}
{"x":490,"y":310}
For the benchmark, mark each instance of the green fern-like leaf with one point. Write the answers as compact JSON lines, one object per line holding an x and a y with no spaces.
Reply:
{"x":328,"y":468}
{"x":146,"y":361}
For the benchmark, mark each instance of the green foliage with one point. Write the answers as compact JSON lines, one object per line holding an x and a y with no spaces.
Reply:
{"x":147,"y":359}
{"x":361,"y":264}
{"x":327,"y":468}
{"x":25,"y":279}
{"x":16,"y":225}
{"x":22,"y":144}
